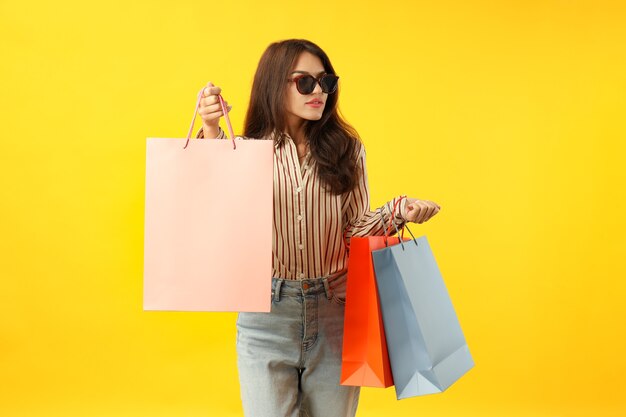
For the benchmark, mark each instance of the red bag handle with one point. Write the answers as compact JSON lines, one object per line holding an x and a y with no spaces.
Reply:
{"x":391,"y":223}
{"x":401,"y":235}
{"x":393,"y":215}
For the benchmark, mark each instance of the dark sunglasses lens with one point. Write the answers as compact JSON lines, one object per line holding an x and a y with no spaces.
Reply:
{"x":306,"y":84}
{"x":329,"y":83}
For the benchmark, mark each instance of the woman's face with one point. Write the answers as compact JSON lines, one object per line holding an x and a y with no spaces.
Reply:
{"x":296,"y":103}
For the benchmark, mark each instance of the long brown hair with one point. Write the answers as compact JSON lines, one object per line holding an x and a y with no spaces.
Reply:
{"x":332,"y":140}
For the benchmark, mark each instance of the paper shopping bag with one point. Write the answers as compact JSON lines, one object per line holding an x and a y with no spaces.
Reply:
{"x":427,"y":348}
{"x":208,"y":224}
{"x":364,"y":360}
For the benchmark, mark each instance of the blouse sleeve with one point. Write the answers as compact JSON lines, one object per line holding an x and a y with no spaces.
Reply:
{"x":358,"y":219}
{"x":220,"y":135}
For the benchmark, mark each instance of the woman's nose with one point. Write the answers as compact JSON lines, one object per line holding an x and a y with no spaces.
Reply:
{"x":317,"y":89}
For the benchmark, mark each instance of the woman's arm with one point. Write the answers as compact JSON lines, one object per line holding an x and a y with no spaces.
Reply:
{"x":359,"y":220}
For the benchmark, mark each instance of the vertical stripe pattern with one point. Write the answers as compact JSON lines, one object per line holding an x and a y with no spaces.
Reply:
{"x":309,"y":223}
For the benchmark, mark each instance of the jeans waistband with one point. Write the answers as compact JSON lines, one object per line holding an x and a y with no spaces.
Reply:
{"x":307,"y":286}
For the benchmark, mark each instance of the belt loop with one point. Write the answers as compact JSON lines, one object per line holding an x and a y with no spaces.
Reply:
{"x":326,"y":288}
{"x":279,"y":283}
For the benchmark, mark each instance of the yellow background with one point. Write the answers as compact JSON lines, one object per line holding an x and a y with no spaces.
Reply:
{"x":509,"y":114}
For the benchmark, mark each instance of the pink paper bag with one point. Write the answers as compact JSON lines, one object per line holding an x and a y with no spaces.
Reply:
{"x":208,"y":223}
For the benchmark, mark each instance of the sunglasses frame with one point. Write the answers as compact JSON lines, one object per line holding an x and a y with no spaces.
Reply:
{"x":318,"y":80}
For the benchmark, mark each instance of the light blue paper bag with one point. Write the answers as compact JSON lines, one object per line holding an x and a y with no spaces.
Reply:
{"x":427,"y":349}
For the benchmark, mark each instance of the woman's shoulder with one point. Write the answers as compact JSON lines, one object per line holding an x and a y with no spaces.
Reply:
{"x":359,"y":148}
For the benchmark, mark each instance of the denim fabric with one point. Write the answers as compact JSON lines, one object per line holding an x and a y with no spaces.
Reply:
{"x":289,"y":360}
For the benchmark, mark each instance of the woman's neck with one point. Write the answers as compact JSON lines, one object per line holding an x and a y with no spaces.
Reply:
{"x":295,"y":129}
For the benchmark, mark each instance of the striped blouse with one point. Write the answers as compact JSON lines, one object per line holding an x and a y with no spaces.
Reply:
{"x":308,"y":223}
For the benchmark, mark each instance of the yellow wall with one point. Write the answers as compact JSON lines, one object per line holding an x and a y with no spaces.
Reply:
{"x":508,"y":114}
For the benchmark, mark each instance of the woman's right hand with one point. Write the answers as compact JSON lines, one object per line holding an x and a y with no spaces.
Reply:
{"x":210,"y":110}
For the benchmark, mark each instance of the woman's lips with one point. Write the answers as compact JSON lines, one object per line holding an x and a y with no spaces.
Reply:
{"x":315,"y":104}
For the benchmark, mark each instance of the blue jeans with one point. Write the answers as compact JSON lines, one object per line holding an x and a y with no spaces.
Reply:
{"x":289,"y":360}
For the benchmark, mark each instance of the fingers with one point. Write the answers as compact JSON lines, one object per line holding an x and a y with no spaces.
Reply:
{"x":430,"y":211}
{"x":210,"y":108}
{"x":422,"y":215}
{"x":420,"y":211}
{"x":211,"y":89}
{"x":212,"y":111}
{"x":206,"y":109}
{"x":210,"y":94}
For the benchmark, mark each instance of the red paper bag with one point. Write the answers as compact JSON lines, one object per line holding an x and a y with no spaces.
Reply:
{"x":365,"y":361}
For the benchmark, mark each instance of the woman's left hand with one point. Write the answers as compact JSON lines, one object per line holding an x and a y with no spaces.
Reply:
{"x":419,"y":211}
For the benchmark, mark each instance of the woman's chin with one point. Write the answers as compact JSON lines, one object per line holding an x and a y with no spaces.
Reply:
{"x":312,"y":115}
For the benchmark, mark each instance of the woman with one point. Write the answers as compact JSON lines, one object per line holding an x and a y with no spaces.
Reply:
{"x":289,"y":360}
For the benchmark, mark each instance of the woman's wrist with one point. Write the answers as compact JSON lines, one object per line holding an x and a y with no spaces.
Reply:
{"x":210,"y":132}
{"x":401,"y":215}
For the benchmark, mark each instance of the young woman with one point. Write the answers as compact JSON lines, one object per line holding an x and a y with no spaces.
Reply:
{"x":289,"y":360}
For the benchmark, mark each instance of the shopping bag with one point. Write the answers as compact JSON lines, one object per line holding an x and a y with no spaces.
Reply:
{"x":427,"y":348}
{"x":364,"y":359}
{"x":208,"y":223}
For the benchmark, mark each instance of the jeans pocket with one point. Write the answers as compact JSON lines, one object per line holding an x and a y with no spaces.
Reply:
{"x":338,"y":291}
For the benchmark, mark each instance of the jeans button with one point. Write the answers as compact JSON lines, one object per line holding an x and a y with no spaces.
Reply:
{"x":305,"y":286}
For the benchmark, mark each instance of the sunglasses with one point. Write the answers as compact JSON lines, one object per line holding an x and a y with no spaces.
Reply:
{"x":306,"y":83}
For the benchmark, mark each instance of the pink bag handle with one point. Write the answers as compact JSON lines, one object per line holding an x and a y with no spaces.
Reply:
{"x":224,"y":110}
